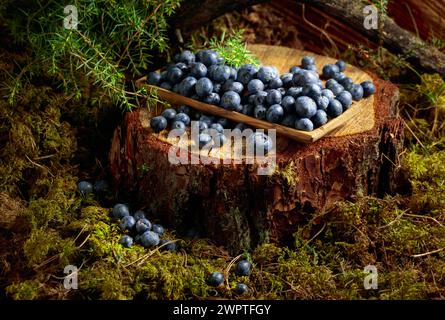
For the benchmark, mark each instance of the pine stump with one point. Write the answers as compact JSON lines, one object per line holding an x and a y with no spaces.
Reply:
{"x":234,"y":206}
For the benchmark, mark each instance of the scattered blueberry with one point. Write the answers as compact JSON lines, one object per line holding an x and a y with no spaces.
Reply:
{"x":204,"y":87}
{"x":260,"y":142}
{"x":158,"y":123}
{"x":341,"y":65}
{"x":204,"y":139}
{"x":84,"y":187}
{"x":153,"y":78}
{"x":184,"y":118}
{"x":169,"y":114}
{"x":241,"y":288}
{"x":260,"y":112}
{"x":179,"y":126}
{"x":368,"y":88}
{"x":142,"y":225}
{"x":330,"y":70}
{"x":158,"y":229}
{"x":216,"y":279}
{"x":255,"y":86}
{"x":198,"y":70}
{"x":127,"y":223}
{"x":138,"y":215}
{"x":243,"y":268}
{"x":345,"y":99}
{"x":120,"y":210}
{"x":149,"y":239}
{"x":273,"y":97}
{"x":126,"y":241}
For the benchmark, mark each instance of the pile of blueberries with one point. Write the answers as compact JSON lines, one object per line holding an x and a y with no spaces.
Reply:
{"x":140,"y":230}
{"x":297,"y":99}
{"x":243,"y":269}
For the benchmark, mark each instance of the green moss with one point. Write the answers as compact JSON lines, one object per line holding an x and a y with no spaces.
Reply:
{"x":26,"y":290}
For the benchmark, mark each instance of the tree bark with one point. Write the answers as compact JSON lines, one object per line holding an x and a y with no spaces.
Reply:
{"x":235,"y":207}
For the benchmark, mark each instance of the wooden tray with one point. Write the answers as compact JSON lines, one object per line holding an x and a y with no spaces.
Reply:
{"x":358,"y":118}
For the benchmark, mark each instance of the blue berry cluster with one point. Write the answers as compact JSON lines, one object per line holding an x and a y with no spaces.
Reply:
{"x":242,"y":269}
{"x":100,"y":187}
{"x":139,"y":229}
{"x":297,"y":99}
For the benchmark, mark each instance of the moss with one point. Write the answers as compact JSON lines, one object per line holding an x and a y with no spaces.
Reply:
{"x":26,"y":290}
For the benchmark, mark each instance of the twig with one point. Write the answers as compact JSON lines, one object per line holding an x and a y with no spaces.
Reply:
{"x":394,"y":221}
{"x":428,"y":253}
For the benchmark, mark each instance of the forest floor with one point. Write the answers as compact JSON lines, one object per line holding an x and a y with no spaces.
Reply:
{"x":49,"y":142}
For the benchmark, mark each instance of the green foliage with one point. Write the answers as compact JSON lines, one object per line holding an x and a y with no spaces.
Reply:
{"x":112,"y":38}
{"x":229,"y":44}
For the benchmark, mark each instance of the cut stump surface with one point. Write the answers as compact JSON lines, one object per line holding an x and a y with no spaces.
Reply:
{"x":233,"y":205}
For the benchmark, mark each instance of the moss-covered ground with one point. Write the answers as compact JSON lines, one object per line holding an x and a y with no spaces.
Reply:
{"x":48,"y":142}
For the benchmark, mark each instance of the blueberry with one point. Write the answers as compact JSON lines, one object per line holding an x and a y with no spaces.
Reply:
{"x":233,"y":73}
{"x":169,"y":114}
{"x":275,"y":113}
{"x":345,"y":99}
{"x":368,"y":88}
{"x":275,"y":83}
{"x":182,"y":66}
{"x":209,"y":58}
{"x":149,"y":239}
{"x":307,"y":61}
{"x":174,"y":75}
{"x":347,"y":83}
{"x":341,"y":65}
{"x":204,"y":87}
{"x":127,"y":223}
{"x":224,"y":122}
{"x":220,"y":140}
{"x":217,"y":88}
{"x":218,"y":127}
{"x":330,"y":70}
{"x":120,"y":210}
{"x":320,"y":118}
{"x":126,"y":241}
{"x":198,"y":70}
{"x":260,"y":98}
{"x":357,"y":92}
{"x":335,"y":108}
{"x":239,"y":108}
{"x":260,"y":141}
{"x":294,"y":92}
{"x":340,"y":77}
{"x":204,"y":139}
{"x":241,"y":288}
{"x":248,"y":110}
{"x":255,"y":86}
{"x":186,"y":57}
{"x":84,"y":187}
{"x":167,"y":245}
{"x":101,"y":186}
{"x":286,"y":80}
{"x":243,"y":268}
{"x":231,"y":85}
{"x":163,"y":76}
{"x":241,"y":126}
{"x":202,"y":126}
{"x":260,"y":112}
{"x":211,"y":71}
{"x":288,"y":104}
{"x":304,"y":124}
{"x":312,"y":67}
{"x":331,"y":83}
{"x":157,"y":228}
{"x":305,"y":77}
{"x":206,"y":119}
{"x":158,"y":123}
{"x":221,"y":74}
{"x":216,"y":279}
{"x":266,"y":74}
{"x":294,"y":69}
{"x":184,"y":109}
{"x":138,"y":215}
{"x":176,"y":88}
{"x":337,"y":89}
{"x":187,"y":86}
{"x":305,"y":107}
{"x":230,"y":100}
{"x":289,"y":120}
{"x":184,"y":118}
{"x":322,"y":102}
{"x":328,"y":94}
{"x":166,"y":85}
{"x":246,"y":73}
{"x":153,"y":78}
{"x":179,"y":126}
{"x":273,"y":97}
{"x":312,"y":90}
{"x":142,"y":225}
{"x":212,"y":98}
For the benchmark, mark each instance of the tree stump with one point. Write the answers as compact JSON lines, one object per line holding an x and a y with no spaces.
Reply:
{"x":234,"y":206}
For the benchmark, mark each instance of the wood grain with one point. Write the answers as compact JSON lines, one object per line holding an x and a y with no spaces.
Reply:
{"x":358,"y":118}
